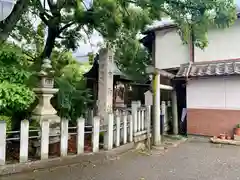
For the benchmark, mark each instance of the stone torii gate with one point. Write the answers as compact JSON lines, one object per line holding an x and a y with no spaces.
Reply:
{"x":156,"y":87}
{"x":105,"y":93}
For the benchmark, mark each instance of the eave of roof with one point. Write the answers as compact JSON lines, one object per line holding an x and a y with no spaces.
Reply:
{"x":160,"y":28}
{"x":209,"y":69}
{"x":167,"y":25}
{"x":93,"y":72}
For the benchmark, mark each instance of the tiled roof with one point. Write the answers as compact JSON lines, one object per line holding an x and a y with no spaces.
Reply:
{"x":221,"y":68}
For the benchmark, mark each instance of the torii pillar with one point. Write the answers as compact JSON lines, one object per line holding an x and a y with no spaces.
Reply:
{"x":157,"y":139}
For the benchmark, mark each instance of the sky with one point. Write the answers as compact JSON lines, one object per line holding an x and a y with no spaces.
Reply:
{"x":91,"y":44}
{"x":85,"y":48}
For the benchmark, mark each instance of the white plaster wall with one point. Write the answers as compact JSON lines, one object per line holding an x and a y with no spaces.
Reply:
{"x":223,"y":44}
{"x":214,"y":93}
{"x":169,"y":50}
{"x":232,"y":92}
{"x":206,"y":93}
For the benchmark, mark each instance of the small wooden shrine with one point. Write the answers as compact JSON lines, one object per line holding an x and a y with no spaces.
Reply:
{"x":120,"y":83}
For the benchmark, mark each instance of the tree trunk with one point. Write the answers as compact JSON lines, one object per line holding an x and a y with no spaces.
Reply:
{"x":52,"y":34}
{"x":8,"y":25}
{"x":48,"y":48}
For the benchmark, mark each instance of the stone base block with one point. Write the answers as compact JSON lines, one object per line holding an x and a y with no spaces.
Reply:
{"x":224,"y":141}
{"x":140,"y":138}
{"x":236,"y":137}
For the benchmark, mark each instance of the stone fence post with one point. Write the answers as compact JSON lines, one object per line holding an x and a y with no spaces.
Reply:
{"x":3,"y":130}
{"x":64,"y":137}
{"x":44,"y":139}
{"x":108,"y":140}
{"x":95,"y":134}
{"x":24,"y":135}
{"x":80,"y":135}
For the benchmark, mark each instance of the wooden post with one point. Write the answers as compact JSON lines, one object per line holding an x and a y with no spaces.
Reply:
{"x":3,"y":130}
{"x":114,"y":130}
{"x":163,"y":110}
{"x":142,"y":119}
{"x":175,"y":112}
{"x":90,"y":117}
{"x":124,"y":128}
{"x":64,"y":137}
{"x":95,"y":135}
{"x":148,"y":125}
{"x":156,"y":110}
{"x":166,"y":126}
{"x":118,"y":126}
{"x":139,"y":119}
{"x":80,"y":135}
{"x":24,"y":135}
{"x":44,"y":139}
{"x":130,"y":128}
{"x":134,"y":115}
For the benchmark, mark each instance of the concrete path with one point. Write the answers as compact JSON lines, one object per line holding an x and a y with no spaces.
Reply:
{"x":192,"y":160}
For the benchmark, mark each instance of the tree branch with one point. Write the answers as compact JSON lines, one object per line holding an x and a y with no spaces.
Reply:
{"x":89,"y":39}
{"x":66,"y":26}
{"x":43,"y":14}
{"x":50,"y":4}
{"x":8,"y":25}
{"x":175,"y":2}
{"x":60,"y":4}
{"x":84,"y":4}
{"x":43,"y":18}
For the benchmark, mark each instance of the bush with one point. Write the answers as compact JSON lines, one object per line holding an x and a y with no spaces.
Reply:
{"x":70,"y":101}
{"x":8,"y":121}
{"x":15,"y":96}
{"x":73,"y":97}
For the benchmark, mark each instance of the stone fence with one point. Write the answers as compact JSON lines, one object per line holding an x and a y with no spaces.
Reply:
{"x":121,"y":127}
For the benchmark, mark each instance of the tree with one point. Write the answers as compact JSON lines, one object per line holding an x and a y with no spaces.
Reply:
{"x":67,"y":20}
{"x":131,"y":56}
{"x":198,"y":16}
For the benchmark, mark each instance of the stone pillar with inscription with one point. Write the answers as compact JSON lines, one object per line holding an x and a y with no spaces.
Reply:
{"x":105,"y":83}
{"x":44,"y":111}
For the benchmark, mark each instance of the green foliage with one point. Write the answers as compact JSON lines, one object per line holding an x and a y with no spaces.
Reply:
{"x":110,"y":17}
{"x":15,"y":96}
{"x":91,"y":58}
{"x":131,"y":57}
{"x":8,"y":121}
{"x":72,"y":102}
{"x":60,"y":60}
{"x":73,"y":97}
{"x":70,"y":20}
{"x":199,"y":16}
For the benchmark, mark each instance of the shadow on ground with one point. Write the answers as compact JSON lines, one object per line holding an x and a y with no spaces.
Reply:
{"x":195,"y":159}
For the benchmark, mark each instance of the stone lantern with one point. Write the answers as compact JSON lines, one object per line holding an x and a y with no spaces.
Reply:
{"x":44,"y":111}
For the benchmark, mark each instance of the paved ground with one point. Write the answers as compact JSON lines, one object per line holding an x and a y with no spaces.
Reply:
{"x":190,"y":161}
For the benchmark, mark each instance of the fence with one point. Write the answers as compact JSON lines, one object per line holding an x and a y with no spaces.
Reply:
{"x":128,"y":126}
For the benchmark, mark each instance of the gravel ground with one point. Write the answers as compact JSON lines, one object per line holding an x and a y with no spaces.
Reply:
{"x":190,"y":161}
